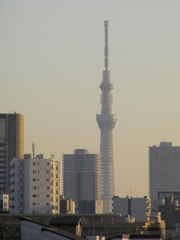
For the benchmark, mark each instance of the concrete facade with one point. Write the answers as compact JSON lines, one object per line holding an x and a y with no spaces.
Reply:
{"x":11,"y":145}
{"x":35,"y":186}
{"x":91,"y":207}
{"x":67,"y":205}
{"x":82,"y":176}
{"x":138,"y":208}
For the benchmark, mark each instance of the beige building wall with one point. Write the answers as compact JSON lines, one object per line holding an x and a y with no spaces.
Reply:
{"x":20,"y":136}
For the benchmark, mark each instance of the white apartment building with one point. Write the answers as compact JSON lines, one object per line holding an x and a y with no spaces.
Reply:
{"x":34,"y":186}
{"x":164,"y":170}
{"x":82,"y":176}
{"x":138,"y":208}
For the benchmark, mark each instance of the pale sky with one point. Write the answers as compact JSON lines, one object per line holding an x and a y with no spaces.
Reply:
{"x":51,"y":63}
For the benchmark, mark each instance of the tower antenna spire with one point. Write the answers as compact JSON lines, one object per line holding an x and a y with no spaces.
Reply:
{"x":106,"y":61}
{"x":106,"y":122}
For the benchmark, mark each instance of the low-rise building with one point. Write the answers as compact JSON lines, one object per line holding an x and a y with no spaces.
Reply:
{"x":67,"y":205}
{"x":167,"y":194}
{"x":136,"y":237}
{"x":4,"y":203}
{"x":34,"y":230}
{"x":170,"y":212}
{"x":91,"y":207}
{"x":88,"y":226}
{"x":138,"y":208}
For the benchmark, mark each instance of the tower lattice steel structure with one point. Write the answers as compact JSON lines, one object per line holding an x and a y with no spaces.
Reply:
{"x":106,"y":122}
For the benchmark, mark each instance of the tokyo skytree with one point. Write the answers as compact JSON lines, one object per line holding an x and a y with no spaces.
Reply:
{"x":106,"y":122}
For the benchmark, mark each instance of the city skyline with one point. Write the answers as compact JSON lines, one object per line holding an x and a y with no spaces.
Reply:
{"x":51,"y":61}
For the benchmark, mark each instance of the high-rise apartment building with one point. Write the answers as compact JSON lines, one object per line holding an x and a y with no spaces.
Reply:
{"x":164,"y":170}
{"x":82,"y":176}
{"x":106,"y":122}
{"x":34,"y":186}
{"x":11,"y":145}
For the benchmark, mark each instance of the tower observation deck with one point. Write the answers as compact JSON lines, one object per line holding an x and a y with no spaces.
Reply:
{"x":106,"y":122}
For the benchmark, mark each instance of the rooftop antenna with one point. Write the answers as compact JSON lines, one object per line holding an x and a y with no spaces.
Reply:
{"x":33,"y":150}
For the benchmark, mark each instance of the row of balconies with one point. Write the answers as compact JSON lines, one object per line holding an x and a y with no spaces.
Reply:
{"x":53,"y":167}
{"x":55,"y":175}
{"x":54,"y":191}
{"x":54,"y":207}
{"x":20,"y":182}
{"x":20,"y":190}
{"x":21,"y":166}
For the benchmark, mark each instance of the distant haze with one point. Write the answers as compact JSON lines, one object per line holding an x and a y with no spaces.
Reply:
{"x":51,"y":62}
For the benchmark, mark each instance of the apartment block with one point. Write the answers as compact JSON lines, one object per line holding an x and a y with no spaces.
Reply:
{"x":164,"y":170}
{"x":34,"y":186}
{"x":82,"y":176}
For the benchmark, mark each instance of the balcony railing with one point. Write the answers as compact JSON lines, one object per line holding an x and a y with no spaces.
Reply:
{"x":20,"y":182}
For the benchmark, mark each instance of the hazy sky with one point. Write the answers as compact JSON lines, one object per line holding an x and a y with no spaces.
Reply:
{"x":51,"y":62}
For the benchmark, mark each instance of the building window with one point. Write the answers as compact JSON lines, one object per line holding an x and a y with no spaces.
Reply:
{"x":34,"y":204}
{"x":47,"y":204}
{"x":34,"y":179}
{"x":47,"y":188}
{"x":34,"y":163}
{"x":34,"y":171}
{"x":34,"y":187}
{"x":47,"y":171}
{"x":34,"y":195}
{"x":47,"y":195}
{"x":47,"y":179}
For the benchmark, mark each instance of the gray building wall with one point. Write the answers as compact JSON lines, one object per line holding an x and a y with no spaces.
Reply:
{"x":11,"y":145}
{"x":138,"y":208}
{"x":164,"y":169}
{"x":82,"y":176}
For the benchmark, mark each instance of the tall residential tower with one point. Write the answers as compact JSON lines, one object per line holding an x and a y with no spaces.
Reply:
{"x":106,"y":122}
{"x":164,"y":170}
{"x":11,"y":145}
{"x":82,"y":177}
